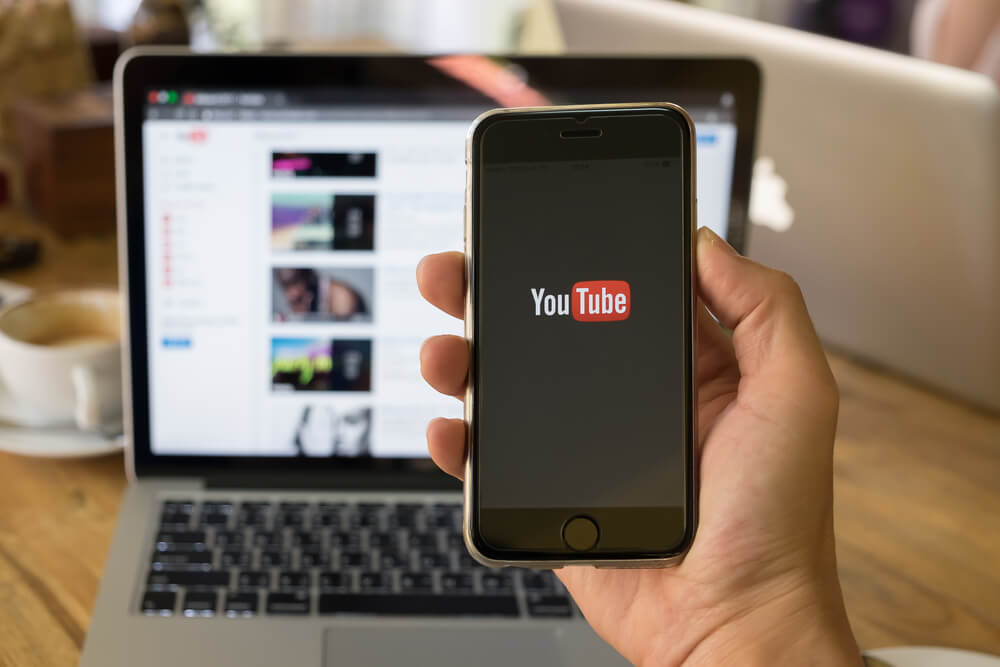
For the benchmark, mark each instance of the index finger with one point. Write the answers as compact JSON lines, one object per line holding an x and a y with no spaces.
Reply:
{"x":441,"y":279}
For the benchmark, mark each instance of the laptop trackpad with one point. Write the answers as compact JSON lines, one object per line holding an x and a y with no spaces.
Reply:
{"x":446,"y":647}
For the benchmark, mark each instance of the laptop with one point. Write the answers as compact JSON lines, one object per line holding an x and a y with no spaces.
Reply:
{"x":876,"y":188}
{"x":282,"y":507}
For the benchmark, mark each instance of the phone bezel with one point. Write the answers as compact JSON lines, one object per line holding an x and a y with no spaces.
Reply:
{"x":480,"y":549}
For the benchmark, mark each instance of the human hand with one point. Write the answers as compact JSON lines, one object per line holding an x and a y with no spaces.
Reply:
{"x":759,"y":584}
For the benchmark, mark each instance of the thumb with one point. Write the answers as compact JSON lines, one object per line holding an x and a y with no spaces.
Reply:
{"x":772,"y":332}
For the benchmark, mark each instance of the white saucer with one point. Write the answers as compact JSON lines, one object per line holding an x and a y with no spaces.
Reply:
{"x":933,"y":656}
{"x":56,"y":442}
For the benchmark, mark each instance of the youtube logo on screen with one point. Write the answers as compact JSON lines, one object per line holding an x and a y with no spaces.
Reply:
{"x":588,"y":301}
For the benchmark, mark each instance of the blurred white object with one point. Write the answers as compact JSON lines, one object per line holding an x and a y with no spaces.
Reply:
{"x":426,"y":26}
{"x":930,"y":656}
{"x":892,"y":166}
{"x":114,"y":14}
{"x":768,"y":197}
{"x":60,"y":360}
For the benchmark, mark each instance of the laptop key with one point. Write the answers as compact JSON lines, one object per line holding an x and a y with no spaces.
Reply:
{"x":182,"y":560}
{"x":158,"y":603}
{"x":214,"y":519}
{"x":229,"y":538}
{"x":188,"y":579}
{"x":392,"y":560}
{"x":345,"y":539}
{"x":416,"y":582}
{"x":553,"y":606}
{"x":180,"y":540}
{"x":423,"y":541}
{"x":442,"y":521}
{"x":372,"y":581}
{"x":450,"y":508}
{"x":381,"y":540}
{"x":234,"y":558}
{"x":333,"y":580}
{"x":353,"y":559}
{"x":199,"y":603}
{"x":178,"y":507}
{"x":275,"y":558}
{"x":418,"y":605}
{"x":536,"y":581}
{"x":174,"y":521}
{"x":410,"y":508}
{"x":253,"y":514}
{"x":456,"y":583}
{"x":217,"y":507}
{"x":467,"y":562}
{"x":496,"y":583}
{"x":306,"y":538}
{"x":429,"y":561}
{"x":314,"y":557}
{"x":288,"y":603}
{"x":253,"y":580}
{"x":267,"y":538}
{"x":287,"y":580}
{"x":240,"y":604}
{"x":406,"y":519}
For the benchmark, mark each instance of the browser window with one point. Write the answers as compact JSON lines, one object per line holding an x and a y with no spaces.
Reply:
{"x":283,"y":229}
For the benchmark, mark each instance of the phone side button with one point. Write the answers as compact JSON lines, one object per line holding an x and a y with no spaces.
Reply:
{"x":580,"y":533}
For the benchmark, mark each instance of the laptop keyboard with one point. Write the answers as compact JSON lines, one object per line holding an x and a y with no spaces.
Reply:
{"x":242,"y":559}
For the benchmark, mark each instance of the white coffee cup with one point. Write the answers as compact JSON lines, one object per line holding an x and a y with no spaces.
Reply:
{"x":60,"y":359}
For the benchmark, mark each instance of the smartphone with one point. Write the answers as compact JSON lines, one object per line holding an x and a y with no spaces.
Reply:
{"x":580,"y":314}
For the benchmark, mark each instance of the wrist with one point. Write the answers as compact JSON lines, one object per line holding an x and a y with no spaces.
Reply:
{"x":804,"y":625}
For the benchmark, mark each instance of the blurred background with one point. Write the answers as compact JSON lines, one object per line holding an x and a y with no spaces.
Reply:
{"x":917,"y":456}
{"x":457,"y":25}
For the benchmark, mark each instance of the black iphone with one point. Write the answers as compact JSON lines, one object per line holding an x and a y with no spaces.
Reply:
{"x":580,"y":313}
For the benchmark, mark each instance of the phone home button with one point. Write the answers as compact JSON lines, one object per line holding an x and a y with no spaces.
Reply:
{"x":580,"y":533}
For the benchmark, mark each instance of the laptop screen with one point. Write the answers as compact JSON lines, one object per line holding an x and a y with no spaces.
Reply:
{"x":282,"y":232}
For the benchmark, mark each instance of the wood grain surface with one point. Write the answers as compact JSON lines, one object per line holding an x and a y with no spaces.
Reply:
{"x":917,"y":511}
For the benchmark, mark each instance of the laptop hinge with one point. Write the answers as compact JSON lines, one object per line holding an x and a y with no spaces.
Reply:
{"x":326,"y":481}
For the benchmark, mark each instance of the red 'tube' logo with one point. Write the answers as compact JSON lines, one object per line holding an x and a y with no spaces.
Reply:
{"x":588,"y":301}
{"x":601,"y":301}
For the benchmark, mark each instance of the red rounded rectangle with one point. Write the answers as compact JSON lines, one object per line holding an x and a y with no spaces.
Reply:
{"x":601,"y":301}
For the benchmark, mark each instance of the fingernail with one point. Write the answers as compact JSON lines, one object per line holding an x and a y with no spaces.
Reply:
{"x":706,"y":235}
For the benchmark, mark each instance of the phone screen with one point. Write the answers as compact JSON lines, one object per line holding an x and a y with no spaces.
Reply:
{"x":582,"y":336}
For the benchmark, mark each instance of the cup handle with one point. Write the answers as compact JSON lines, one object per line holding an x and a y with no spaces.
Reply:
{"x":88,"y":399}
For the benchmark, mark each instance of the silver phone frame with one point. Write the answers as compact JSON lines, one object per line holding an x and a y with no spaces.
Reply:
{"x":467,"y":484}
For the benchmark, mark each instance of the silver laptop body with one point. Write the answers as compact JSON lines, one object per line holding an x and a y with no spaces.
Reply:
{"x":889,"y":166}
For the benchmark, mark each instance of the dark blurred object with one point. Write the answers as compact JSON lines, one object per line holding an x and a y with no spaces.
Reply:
{"x":160,"y":22}
{"x":879,"y":23}
{"x":17,"y":253}
{"x":10,"y":180}
{"x":41,"y":53}
{"x":66,"y":147}
{"x":105,"y":47}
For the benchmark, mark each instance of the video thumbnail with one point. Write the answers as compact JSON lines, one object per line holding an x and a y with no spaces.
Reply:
{"x":323,"y":221}
{"x":324,"y":430}
{"x":328,"y":294}
{"x":311,"y":364}
{"x":323,"y":165}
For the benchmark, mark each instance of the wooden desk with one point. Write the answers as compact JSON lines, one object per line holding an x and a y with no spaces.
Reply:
{"x":917,"y":513}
